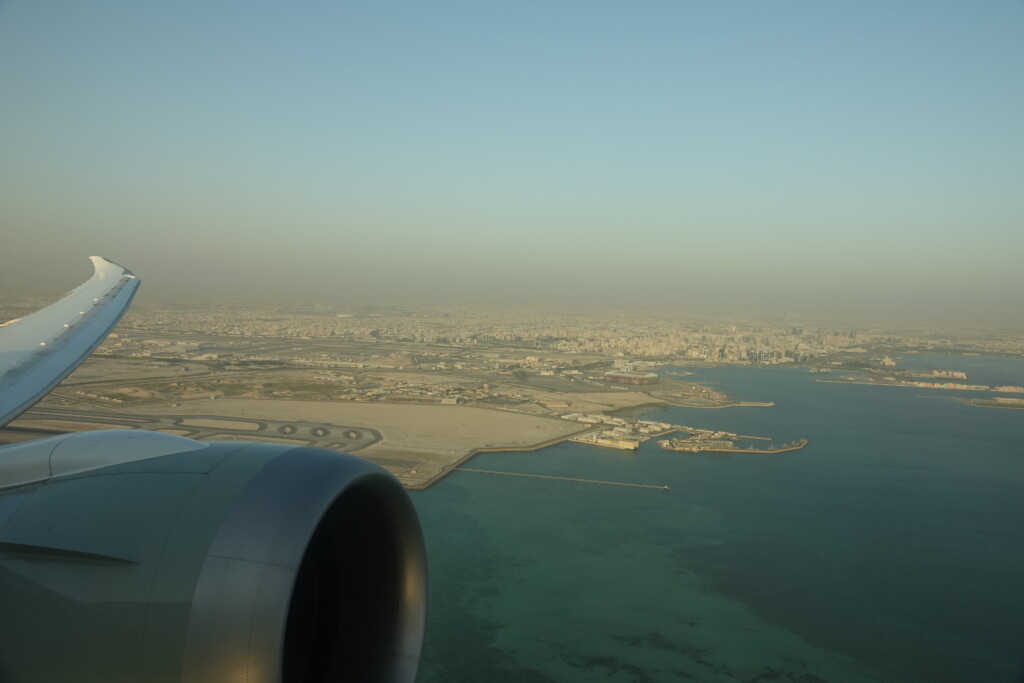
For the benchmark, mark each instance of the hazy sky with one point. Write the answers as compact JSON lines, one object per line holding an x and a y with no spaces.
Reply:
{"x":788,"y":155}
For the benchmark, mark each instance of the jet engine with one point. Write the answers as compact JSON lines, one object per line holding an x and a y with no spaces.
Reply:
{"x":139,"y":556}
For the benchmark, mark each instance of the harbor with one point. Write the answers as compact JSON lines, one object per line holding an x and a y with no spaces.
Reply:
{"x":624,"y":434}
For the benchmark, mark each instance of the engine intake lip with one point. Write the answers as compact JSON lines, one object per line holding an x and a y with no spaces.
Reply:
{"x":317,"y":573}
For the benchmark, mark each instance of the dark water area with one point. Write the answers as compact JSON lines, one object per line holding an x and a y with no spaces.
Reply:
{"x":890,"y":549}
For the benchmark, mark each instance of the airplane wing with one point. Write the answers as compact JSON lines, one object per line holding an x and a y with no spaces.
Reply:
{"x":134,"y":556}
{"x":41,"y":349}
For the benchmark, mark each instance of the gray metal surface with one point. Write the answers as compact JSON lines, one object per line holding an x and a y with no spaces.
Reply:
{"x":41,"y":349}
{"x":57,"y":456}
{"x":231,"y":561}
{"x":238,"y":621}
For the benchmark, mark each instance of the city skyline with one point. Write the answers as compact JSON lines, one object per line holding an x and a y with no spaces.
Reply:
{"x":850,"y":159}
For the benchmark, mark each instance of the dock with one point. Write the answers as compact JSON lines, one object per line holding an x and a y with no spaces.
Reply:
{"x":574,"y":479}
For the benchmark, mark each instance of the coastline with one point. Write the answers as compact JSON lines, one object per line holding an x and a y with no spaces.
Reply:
{"x":971,"y":402}
{"x":736,"y":404}
{"x":473,"y":452}
{"x":418,"y":442}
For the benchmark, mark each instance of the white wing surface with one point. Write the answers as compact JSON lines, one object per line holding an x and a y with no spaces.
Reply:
{"x":41,"y":349}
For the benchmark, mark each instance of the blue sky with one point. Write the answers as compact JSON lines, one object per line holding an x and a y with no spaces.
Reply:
{"x":800,"y":156}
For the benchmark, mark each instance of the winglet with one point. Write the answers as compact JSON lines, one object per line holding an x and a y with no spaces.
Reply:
{"x":41,"y":349}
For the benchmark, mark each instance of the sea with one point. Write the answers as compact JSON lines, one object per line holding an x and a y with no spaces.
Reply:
{"x":890,"y":549}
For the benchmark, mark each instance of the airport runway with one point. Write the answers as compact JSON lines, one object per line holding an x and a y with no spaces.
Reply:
{"x":204,"y":427}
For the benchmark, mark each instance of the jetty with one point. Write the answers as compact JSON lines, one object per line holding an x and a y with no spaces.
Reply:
{"x":722,"y":446}
{"x":575,"y":479}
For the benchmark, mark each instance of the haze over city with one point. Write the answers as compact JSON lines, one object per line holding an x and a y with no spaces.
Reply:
{"x":795,"y":157}
{"x":689,"y":334}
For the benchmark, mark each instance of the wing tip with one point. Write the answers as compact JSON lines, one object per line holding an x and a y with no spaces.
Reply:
{"x":99,"y":261}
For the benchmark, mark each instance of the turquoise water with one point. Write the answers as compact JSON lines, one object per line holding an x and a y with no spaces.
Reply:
{"x":890,"y":549}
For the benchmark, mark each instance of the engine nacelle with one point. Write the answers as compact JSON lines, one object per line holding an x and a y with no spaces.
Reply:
{"x":137,"y":556}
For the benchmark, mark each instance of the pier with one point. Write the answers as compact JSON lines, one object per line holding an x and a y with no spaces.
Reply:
{"x":547,"y":476}
{"x":684,"y":446}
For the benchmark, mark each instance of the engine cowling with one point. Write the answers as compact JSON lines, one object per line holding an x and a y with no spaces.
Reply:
{"x":137,"y":556}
